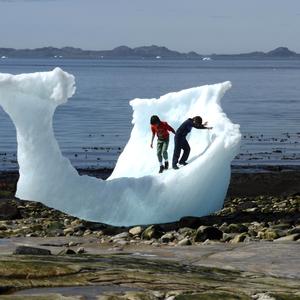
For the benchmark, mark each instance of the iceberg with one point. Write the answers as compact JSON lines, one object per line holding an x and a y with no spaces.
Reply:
{"x":135,"y":193}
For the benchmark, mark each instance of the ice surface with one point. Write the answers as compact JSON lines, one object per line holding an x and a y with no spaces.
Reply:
{"x":135,"y":193}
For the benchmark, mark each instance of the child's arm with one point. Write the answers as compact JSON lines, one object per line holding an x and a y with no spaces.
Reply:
{"x":170,"y":128}
{"x":153,"y":135}
{"x":203,"y":126}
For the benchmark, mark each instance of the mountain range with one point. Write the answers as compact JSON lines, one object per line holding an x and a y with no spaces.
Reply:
{"x":144,"y":52}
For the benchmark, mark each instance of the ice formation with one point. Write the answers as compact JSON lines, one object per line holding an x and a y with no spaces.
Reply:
{"x":135,"y":193}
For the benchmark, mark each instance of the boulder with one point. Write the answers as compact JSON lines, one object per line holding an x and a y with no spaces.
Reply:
{"x":136,"y":230}
{"x":168,"y":237}
{"x":152,"y":232}
{"x":204,"y":233}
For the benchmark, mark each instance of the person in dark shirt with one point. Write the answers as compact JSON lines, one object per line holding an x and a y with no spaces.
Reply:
{"x":180,"y":141}
{"x":161,"y":129}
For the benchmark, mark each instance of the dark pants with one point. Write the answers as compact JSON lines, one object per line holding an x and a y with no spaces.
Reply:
{"x":180,"y":143}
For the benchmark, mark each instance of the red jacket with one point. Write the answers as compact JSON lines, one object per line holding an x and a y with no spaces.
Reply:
{"x":162,"y":130}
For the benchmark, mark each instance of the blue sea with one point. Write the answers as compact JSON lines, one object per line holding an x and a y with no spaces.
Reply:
{"x":95,"y":124}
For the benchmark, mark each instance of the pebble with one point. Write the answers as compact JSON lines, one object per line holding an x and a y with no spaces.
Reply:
{"x":235,"y":223}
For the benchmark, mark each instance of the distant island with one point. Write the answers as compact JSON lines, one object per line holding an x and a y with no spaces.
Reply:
{"x":144,"y":52}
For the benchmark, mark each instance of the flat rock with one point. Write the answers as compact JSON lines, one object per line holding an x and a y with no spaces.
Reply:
{"x":25,"y":250}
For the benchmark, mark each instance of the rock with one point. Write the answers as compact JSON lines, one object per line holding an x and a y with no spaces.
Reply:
{"x":3,"y":227}
{"x":8,"y":211}
{"x":72,"y":244}
{"x":54,"y":225}
{"x":121,"y":242}
{"x":239,"y":238}
{"x":236,"y":228}
{"x":67,"y":252}
{"x":152,"y":232}
{"x":69,"y":231}
{"x":168,"y":237}
{"x":185,"y":242}
{"x":227,"y":237}
{"x":80,"y":250}
{"x":294,"y":230}
{"x":25,"y":250}
{"x":186,"y":231}
{"x":291,"y":237}
{"x":270,"y":235}
{"x":136,"y":230}
{"x":122,"y":235}
{"x":87,"y":232}
{"x":204,"y":233}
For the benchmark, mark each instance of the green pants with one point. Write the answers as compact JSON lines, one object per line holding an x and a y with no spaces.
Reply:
{"x":162,"y":149}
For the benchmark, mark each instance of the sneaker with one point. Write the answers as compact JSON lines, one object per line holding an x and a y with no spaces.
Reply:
{"x":175,"y":167}
{"x":166,"y":165}
{"x":183,"y":163}
{"x":161,"y":168}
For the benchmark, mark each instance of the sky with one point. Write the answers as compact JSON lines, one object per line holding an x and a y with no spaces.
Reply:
{"x":204,"y":26}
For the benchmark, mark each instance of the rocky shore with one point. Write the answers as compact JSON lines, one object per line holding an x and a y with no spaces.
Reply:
{"x":74,"y":247}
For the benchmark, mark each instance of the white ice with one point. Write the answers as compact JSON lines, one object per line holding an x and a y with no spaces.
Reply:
{"x":135,"y":193}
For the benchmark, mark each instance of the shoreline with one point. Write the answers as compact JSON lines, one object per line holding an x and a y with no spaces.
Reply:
{"x":248,"y":247}
{"x":245,"y":182}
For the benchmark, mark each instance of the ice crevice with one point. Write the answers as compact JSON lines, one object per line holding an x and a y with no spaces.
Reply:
{"x":135,"y":193}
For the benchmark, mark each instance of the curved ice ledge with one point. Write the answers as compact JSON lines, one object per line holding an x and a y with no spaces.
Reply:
{"x":135,"y":193}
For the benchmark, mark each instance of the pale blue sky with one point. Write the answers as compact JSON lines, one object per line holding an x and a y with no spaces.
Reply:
{"x":205,"y":26}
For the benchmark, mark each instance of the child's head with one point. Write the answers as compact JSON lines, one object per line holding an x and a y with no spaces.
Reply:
{"x":154,"y":120}
{"x":197,"y":121}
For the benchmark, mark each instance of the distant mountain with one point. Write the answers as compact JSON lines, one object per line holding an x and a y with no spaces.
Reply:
{"x":282,"y":52}
{"x":144,"y":52}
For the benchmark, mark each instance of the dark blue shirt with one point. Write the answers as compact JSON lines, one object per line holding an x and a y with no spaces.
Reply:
{"x":185,"y":128}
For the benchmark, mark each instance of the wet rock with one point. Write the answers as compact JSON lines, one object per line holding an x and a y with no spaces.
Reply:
{"x":152,"y":232}
{"x":207,"y":233}
{"x":8,"y":211}
{"x":25,"y":250}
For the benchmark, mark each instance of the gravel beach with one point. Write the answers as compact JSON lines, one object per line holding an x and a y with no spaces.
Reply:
{"x":255,"y":235}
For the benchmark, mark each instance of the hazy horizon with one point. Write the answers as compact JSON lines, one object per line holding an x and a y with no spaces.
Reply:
{"x":202,"y":26}
{"x":254,"y":50}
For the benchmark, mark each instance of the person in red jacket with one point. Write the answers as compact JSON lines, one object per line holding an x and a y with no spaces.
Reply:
{"x":161,"y":129}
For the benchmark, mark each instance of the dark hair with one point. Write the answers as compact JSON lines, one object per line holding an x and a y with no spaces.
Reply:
{"x":154,"y":120}
{"x":197,"y":121}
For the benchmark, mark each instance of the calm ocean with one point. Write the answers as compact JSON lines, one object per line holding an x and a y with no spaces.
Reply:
{"x":93,"y":127}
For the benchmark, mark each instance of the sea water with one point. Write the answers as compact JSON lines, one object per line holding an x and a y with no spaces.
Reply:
{"x":94,"y":126}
